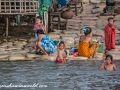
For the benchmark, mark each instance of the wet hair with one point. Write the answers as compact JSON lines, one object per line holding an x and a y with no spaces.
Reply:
{"x":38,"y":17}
{"x":87,"y":30}
{"x":109,"y":56}
{"x":40,"y":31}
{"x":110,"y":18}
{"x":62,"y":42}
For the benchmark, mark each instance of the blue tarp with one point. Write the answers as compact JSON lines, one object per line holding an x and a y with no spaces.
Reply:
{"x":62,"y":3}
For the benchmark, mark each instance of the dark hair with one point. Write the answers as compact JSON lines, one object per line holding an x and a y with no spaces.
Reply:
{"x":109,"y":56}
{"x":38,"y":17}
{"x":110,"y":18}
{"x":62,"y":42}
{"x":87,"y":30}
{"x":40,"y":31}
{"x":65,"y":52}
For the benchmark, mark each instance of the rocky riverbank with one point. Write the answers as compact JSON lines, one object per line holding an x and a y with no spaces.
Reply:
{"x":22,"y":48}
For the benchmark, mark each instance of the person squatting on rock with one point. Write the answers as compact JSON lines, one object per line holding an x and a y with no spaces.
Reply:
{"x":45,"y":43}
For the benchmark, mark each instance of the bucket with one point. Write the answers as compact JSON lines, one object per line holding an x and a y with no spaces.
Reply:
{"x":101,"y":48}
{"x":56,"y":42}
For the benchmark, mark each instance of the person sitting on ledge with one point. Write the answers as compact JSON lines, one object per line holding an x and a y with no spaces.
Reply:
{"x":86,"y":47}
{"x":44,"y":43}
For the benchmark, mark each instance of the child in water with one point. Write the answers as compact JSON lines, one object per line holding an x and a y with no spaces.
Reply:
{"x":108,"y":64}
{"x":62,"y":54}
{"x":38,"y":25}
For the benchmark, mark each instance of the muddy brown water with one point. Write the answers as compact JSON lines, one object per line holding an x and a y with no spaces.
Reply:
{"x":75,"y":75}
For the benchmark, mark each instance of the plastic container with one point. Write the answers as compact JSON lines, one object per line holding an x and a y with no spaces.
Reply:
{"x":101,"y":48}
{"x":56,"y":42}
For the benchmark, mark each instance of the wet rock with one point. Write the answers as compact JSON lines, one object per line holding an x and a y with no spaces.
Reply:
{"x":80,"y":58}
{"x":16,"y":57}
{"x":32,"y":56}
{"x":51,"y":58}
{"x":4,"y":57}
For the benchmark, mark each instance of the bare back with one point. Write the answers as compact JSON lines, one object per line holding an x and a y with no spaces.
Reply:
{"x":40,"y":36}
{"x":86,"y":39}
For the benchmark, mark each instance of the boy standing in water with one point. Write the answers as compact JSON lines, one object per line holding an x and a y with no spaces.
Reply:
{"x":61,"y":58}
{"x":110,"y":34}
{"x":108,"y":64}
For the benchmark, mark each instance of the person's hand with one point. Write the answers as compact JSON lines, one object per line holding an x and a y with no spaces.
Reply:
{"x":104,"y":62}
{"x":38,"y":28}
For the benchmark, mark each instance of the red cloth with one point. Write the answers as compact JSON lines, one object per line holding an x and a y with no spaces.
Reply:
{"x":73,"y":0}
{"x":110,"y":35}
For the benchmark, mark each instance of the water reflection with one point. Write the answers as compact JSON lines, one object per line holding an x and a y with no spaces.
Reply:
{"x":75,"y":75}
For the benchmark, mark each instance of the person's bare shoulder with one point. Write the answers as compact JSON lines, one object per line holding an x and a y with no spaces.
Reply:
{"x":114,"y":66}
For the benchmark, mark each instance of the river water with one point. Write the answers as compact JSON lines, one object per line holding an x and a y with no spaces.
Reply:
{"x":47,"y":75}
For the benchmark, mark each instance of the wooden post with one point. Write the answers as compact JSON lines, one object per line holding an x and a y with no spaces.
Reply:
{"x":7,"y":25}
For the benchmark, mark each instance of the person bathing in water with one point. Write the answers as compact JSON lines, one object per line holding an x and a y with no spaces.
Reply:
{"x":62,"y":54}
{"x":108,"y":64}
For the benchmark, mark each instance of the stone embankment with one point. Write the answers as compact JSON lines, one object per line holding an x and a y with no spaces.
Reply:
{"x":23,"y":49}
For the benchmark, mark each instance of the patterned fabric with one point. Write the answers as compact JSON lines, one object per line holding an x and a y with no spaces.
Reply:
{"x":85,"y":50}
{"x":48,"y":45}
{"x":110,"y":34}
{"x":36,"y":26}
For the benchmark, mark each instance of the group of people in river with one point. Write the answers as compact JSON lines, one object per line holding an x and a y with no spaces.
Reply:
{"x":86,"y":48}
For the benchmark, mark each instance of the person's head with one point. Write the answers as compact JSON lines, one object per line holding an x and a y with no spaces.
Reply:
{"x":87,"y":30}
{"x":110,"y":20}
{"x":38,"y":19}
{"x":40,"y":31}
{"x":61,"y":45}
{"x":109,"y":59}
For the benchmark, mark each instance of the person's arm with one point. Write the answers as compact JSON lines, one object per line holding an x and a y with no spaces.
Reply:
{"x":90,"y":41}
{"x":35,"y":28}
{"x":102,"y":66}
{"x":39,"y":38}
{"x":114,"y":67}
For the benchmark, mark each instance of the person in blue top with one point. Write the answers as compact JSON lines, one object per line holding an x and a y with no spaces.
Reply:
{"x":45,"y":43}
